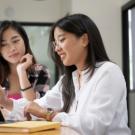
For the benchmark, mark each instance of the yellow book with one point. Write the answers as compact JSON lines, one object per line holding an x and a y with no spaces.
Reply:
{"x":28,"y":126}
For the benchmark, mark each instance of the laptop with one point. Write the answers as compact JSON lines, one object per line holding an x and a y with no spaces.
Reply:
{"x":2,"y":120}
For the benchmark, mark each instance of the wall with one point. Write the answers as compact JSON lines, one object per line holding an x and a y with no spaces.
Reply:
{"x":30,"y":10}
{"x":107,"y":16}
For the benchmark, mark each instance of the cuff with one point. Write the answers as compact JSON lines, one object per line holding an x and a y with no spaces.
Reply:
{"x":17,"y":112}
{"x":63,"y":118}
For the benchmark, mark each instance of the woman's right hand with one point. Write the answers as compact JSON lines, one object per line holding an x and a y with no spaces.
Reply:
{"x":4,"y":101}
{"x":25,"y":62}
{"x":2,"y":97}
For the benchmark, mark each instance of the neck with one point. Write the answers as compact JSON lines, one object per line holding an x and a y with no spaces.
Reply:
{"x":13,"y":69}
{"x":80,"y":69}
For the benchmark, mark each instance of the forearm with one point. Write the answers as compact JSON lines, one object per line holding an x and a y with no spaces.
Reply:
{"x":4,"y":101}
{"x":24,"y":83}
{"x":38,"y":111}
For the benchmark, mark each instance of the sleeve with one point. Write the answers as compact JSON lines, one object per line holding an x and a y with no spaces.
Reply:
{"x":17,"y":113}
{"x":52,"y":98}
{"x":109,"y":91}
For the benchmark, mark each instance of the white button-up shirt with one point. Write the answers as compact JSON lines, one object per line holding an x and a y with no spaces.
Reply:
{"x":99,"y":107}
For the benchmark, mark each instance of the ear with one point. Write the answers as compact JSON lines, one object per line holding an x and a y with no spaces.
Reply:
{"x":85,"y":40}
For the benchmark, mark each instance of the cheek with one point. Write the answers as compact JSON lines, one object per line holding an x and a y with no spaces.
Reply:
{"x":22,"y":49}
{"x":3,"y":52}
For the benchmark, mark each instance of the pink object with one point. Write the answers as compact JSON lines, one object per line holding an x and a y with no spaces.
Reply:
{"x":15,"y":96}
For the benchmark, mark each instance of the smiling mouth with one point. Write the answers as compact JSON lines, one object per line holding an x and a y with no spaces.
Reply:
{"x":62,"y":56}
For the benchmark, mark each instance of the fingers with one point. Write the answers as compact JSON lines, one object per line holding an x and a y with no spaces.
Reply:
{"x":2,"y":96}
{"x":1,"y":90}
{"x":25,"y":62}
{"x":28,"y":116}
{"x":0,"y":87}
{"x":26,"y":58}
{"x":34,"y":109}
{"x":26,"y":112}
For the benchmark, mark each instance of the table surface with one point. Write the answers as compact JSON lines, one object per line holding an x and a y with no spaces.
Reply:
{"x":61,"y":131}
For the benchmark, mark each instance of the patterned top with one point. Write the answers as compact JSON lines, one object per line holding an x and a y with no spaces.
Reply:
{"x":39,"y":78}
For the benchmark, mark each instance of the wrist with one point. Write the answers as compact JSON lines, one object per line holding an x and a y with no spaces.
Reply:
{"x":20,"y":68}
{"x":26,"y":88}
{"x":49,"y":114}
{"x":22,"y":73}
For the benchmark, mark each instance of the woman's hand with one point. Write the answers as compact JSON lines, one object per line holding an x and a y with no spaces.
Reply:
{"x":4,"y":101}
{"x":25,"y":62}
{"x":34,"y":109}
{"x":2,"y":97}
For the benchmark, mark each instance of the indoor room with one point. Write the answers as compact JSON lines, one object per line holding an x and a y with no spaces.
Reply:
{"x":113,"y":18}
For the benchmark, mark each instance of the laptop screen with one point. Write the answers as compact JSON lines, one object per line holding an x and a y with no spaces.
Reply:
{"x":1,"y":117}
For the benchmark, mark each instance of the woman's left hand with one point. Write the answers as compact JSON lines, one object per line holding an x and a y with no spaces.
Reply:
{"x":34,"y":109}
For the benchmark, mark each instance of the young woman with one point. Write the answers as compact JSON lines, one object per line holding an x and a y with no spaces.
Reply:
{"x":20,"y":75}
{"x":91,"y":94}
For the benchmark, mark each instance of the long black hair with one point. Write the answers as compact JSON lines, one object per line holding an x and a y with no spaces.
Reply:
{"x":5,"y":70}
{"x":77,"y":24}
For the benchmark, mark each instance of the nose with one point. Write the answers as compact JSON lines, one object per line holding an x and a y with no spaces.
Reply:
{"x":11,"y":47}
{"x":57,"y":48}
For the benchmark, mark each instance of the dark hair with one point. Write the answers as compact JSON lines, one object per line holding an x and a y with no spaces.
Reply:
{"x":5,"y":70}
{"x":77,"y":24}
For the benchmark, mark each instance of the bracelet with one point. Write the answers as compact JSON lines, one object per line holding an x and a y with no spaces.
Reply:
{"x":26,"y":88}
{"x":49,"y":114}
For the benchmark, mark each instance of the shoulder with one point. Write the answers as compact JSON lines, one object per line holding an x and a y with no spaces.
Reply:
{"x":109,"y":69}
{"x":108,"y":77}
{"x":108,"y":66}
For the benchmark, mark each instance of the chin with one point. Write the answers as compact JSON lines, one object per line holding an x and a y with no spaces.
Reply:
{"x":14,"y":62}
{"x":67,"y":64}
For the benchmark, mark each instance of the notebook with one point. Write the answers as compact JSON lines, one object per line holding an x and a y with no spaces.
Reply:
{"x":28,"y":126}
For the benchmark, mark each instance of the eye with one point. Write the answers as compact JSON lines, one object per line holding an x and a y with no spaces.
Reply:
{"x":16,"y":41}
{"x":3,"y":44}
{"x":62,"y":40}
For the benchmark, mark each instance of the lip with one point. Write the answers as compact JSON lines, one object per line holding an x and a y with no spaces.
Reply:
{"x":13,"y":55}
{"x":62,"y":55}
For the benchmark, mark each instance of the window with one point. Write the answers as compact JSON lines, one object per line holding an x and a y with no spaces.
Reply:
{"x":38,"y":34}
{"x":128,"y":27}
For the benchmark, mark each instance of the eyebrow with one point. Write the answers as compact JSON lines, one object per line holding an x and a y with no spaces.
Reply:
{"x":61,"y":35}
{"x":12,"y":38}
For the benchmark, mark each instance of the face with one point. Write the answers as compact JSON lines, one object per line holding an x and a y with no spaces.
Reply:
{"x":12,"y":46}
{"x":71,"y":49}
